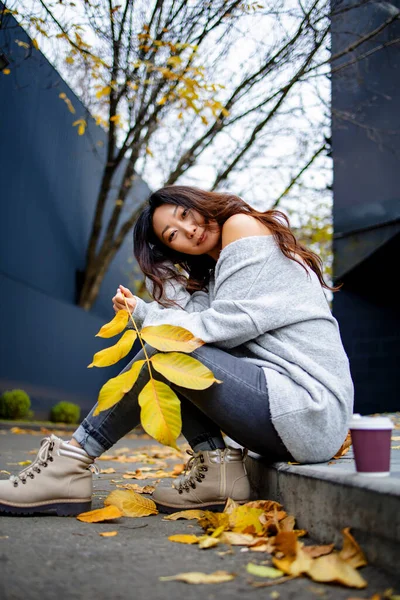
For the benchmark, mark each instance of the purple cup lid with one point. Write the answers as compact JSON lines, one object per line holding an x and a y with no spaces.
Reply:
{"x":367,"y":422}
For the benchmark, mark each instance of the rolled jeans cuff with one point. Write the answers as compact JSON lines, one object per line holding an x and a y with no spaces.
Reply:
{"x":89,"y":443}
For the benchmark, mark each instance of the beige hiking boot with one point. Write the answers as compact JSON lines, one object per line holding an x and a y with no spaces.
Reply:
{"x":214,"y":476}
{"x":59,"y":479}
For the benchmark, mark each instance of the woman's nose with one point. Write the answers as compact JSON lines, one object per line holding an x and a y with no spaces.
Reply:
{"x":191,"y":230}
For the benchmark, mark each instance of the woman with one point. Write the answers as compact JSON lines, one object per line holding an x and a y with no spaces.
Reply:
{"x":239,"y":280}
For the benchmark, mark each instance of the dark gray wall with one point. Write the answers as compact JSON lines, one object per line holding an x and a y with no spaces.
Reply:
{"x":50,"y":177}
{"x":366,"y":153}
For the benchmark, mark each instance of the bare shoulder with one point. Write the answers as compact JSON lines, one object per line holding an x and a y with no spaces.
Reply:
{"x":242,"y":226}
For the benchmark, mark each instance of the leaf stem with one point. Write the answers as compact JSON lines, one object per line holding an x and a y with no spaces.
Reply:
{"x":140,"y":339}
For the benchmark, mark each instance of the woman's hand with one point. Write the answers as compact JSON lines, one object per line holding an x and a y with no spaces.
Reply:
{"x":119,"y":302}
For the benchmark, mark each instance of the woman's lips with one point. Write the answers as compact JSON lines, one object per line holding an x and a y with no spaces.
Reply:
{"x":202,"y":238}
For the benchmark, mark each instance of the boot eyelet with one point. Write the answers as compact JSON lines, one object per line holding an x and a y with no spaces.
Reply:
{"x":51,"y":458}
{"x":15,"y":483}
{"x":38,"y":470}
{"x":23,"y":480}
{"x":205,"y":468}
{"x":45,"y":464}
{"x":31,"y":475}
{"x":180,"y":491}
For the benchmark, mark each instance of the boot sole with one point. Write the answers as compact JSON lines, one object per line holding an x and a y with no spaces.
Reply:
{"x":62,"y":509}
{"x":164,"y":508}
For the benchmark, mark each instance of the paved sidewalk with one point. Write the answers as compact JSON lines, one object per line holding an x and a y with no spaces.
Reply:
{"x":43,"y":557}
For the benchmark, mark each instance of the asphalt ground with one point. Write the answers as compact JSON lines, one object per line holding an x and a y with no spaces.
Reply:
{"x":50,"y":557}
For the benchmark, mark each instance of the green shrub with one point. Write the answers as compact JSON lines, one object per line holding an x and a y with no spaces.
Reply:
{"x":65,"y":412}
{"x":15,"y":404}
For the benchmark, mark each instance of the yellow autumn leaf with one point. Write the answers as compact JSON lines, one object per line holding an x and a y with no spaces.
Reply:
{"x":6,"y":71}
{"x":184,"y":538}
{"x":118,"y":324}
{"x":22,"y":44}
{"x":184,"y":370}
{"x":110,"y":356}
{"x":197,"y":577}
{"x":207,"y":541}
{"x":170,"y":338}
{"x":175,"y":61}
{"x":23,"y":463}
{"x":185,"y":514}
{"x":212,"y":520}
{"x":263,"y":571}
{"x":237,"y":539}
{"x":161,"y":412}
{"x":146,"y":489}
{"x":351,"y":551}
{"x":243,"y":517}
{"x":100,"y":514}
{"x":107,"y":471}
{"x":131,"y":504}
{"x":81,"y":126}
{"x":295,"y":564}
{"x":108,"y":533}
{"x":35,"y":44}
{"x":105,"y":91}
{"x":148,"y":151}
{"x":333,"y":568}
{"x":116,"y":387}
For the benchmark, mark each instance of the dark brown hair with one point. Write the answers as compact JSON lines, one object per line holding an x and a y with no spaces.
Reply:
{"x":156,"y":260}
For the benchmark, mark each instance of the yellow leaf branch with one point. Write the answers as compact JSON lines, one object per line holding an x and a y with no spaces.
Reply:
{"x":160,"y":413}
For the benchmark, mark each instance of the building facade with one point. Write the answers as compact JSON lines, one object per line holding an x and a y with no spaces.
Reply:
{"x":50,"y":178}
{"x":366,"y":157}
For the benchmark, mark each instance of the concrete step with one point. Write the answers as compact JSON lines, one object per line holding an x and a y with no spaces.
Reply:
{"x":325,"y":498}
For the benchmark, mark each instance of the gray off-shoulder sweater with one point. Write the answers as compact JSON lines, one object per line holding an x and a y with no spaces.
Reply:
{"x":267,"y":309}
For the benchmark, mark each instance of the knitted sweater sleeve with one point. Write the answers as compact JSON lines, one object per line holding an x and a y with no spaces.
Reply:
{"x":248,"y":300}
{"x":195,"y":302}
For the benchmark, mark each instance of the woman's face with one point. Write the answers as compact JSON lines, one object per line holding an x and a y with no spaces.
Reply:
{"x":184,"y":230}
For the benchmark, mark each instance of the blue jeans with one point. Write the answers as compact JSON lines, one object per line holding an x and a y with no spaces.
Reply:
{"x":239,"y":407}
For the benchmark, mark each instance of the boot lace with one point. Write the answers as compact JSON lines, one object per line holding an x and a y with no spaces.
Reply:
{"x":42,"y":459}
{"x":193,"y":472}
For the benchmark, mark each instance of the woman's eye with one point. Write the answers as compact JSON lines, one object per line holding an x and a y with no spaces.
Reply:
{"x":184,"y":213}
{"x":171,"y":236}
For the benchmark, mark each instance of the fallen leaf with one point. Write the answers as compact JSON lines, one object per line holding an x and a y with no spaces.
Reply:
{"x":316,"y":551}
{"x":332,"y":567}
{"x":131,"y":504}
{"x":294,"y":565}
{"x":266,"y":505}
{"x":274,"y":594}
{"x":345,"y":447}
{"x":207,"y":541}
{"x":237,"y":539}
{"x":351,"y":551}
{"x":245,"y":516}
{"x":100,"y":514}
{"x":177,"y":470}
{"x":197,"y":577}
{"x":135,"y":487}
{"x":5,"y":472}
{"x":106,"y":471}
{"x":262,"y":571}
{"x":108,"y":533}
{"x":287,"y":523}
{"x":395,"y":447}
{"x":23,"y":463}
{"x":286,"y":542}
{"x":184,"y":538}
{"x":185,"y":514}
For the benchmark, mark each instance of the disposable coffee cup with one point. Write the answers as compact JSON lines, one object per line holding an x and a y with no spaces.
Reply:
{"x":371,"y":439}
